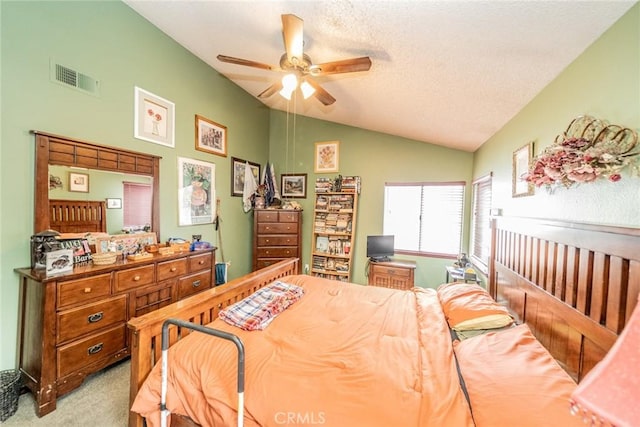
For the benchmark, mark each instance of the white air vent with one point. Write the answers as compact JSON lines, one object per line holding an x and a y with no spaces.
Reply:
{"x":71,"y":78}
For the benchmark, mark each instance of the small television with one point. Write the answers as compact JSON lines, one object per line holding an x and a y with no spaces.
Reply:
{"x":380,"y":248}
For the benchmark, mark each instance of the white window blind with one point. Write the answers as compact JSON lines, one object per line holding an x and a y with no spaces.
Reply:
{"x":137,"y":204}
{"x":480,"y":222}
{"x":425,"y":218}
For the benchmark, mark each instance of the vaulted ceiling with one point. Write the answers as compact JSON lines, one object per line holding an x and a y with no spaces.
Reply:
{"x":450,"y":73}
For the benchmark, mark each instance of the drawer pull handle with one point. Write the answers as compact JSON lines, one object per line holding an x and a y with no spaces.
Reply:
{"x":136,"y":278}
{"x":173,"y":269}
{"x":95,"y":349}
{"x":195,"y":283}
{"x":201,"y":262}
{"x":95,"y":317}
{"x":87,"y":290}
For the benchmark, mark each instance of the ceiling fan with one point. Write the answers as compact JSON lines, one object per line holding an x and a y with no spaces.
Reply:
{"x":299,"y":67}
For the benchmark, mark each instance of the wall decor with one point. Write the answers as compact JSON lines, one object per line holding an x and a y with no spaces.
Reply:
{"x":326,"y":157}
{"x":237,"y":174}
{"x":293,"y":185}
{"x":154,"y":118}
{"x":79,"y":182}
{"x":521,"y":162}
{"x":114,"y":203}
{"x":196,"y":192}
{"x":211,"y":137}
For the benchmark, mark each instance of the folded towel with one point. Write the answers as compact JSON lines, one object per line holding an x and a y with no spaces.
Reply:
{"x":256,"y":311}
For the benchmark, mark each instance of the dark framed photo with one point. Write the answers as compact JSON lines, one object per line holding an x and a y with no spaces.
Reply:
{"x":294,"y":185}
{"x":211,"y":137}
{"x":237,"y":174}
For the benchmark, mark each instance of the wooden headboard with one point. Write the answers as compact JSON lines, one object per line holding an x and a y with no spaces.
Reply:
{"x":575,"y":285}
{"x":78,"y":216}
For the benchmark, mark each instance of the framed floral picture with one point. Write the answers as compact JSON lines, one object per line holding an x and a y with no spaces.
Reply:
{"x":211,"y":137}
{"x":237,"y":174}
{"x":196,"y":192}
{"x":154,"y":118}
{"x":293,"y":185}
{"x":326,"y":157}
{"x":521,"y":163}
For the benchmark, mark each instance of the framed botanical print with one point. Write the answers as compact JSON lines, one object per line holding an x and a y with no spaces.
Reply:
{"x":154,"y":118}
{"x":196,"y":192}
{"x":326,"y":157}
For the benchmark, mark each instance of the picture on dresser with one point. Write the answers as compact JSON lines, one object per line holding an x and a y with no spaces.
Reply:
{"x":196,"y":191}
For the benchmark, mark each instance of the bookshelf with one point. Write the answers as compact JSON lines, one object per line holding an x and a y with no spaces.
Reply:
{"x":334,"y":226}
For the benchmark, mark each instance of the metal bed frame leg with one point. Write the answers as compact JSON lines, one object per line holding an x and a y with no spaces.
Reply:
{"x":164,"y":412}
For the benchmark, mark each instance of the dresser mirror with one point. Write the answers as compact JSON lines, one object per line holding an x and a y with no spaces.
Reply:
{"x":80,"y":186}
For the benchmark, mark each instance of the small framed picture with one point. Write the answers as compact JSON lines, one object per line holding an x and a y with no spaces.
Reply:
{"x":114,"y":203}
{"x":79,"y":182}
{"x":154,"y":118}
{"x":294,"y":185}
{"x":521,"y":163}
{"x":237,"y":174}
{"x":211,"y":137}
{"x":326,"y":157}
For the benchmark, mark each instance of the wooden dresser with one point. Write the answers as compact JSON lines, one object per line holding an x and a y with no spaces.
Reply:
{"x":277,"y":234}
{"x":74,"y":324}
{"x":392,"y":274}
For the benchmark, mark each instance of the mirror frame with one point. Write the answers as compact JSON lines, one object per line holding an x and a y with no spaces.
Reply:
{"x":59,"y":150}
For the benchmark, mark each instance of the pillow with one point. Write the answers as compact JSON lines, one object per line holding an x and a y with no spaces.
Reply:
{"x":468,"y":306}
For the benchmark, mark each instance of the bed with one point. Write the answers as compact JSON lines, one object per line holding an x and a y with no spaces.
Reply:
{"x":426,"y":376}
{"x":78,"y":216}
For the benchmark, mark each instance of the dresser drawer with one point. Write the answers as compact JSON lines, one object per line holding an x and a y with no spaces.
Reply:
{"x":200,"y":262}
{"x":391,"y":271}
{"x":171,"y":269}
{"x":267,"y":216}
{"x":80,"y":291}
{"x":134,"y":278}
{"x":278,"y":228}
{"x":89,"y":318}
{"x":277,"y":252}
{"x":285,"y":216}
{"x":274,"y":240}
{"x":79,"y":354}
{"x":194,"y":283}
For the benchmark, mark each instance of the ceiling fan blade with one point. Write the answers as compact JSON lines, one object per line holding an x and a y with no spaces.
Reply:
{"x":344,"y":66}
{"x":322,"y":95}
{"x":245,"y":62}
{"x":270,"y":90}
{"x":292,"y":32}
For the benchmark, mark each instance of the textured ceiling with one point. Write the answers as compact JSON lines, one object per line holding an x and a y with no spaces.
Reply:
{"x":450,"y":73}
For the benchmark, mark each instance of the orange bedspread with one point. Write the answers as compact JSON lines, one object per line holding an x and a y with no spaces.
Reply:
{"x":344,"y":355}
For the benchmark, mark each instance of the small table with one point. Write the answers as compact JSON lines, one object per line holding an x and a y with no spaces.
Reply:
{"x":457,"y":274}
{"x":395,"y":274}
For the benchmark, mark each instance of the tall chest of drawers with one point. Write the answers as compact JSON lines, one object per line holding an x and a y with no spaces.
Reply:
{"x":277,"y":234}
{"x":73,"y":325}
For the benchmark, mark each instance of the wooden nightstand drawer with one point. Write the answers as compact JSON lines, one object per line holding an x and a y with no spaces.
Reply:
{"x":79,"y":291}
{"x":271,"y":240}
{"x":90,"y":350}
{"x":278,"y":228}
{"x":171,"y":269}
{"x":200,"y":262}
{"x":79,"y":321}
{"x":194,"y":283}
{"x":391,"y":271}
{"x":277,"y":252}
{"x":134,"y":278}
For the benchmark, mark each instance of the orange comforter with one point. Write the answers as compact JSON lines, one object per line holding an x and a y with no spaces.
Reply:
{"x":344,"y":355}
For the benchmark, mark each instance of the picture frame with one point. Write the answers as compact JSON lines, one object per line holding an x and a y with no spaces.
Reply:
{"x":211,"y":137}
{"x":326,"y":157}
{"x":293,"y":185}
{"x":237,"y":174}
{"x":124,"y":243}
{"x":154,"y":119}
{"x":520,"y":167}
{"x":196,"y":192}
{"x":114,"y":203}
{"x":79,"y":182}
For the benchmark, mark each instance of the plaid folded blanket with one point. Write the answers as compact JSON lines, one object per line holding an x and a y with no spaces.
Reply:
{"x":256,"y":311}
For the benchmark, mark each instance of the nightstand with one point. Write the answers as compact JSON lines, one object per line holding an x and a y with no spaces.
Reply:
{"x":455,"y":274}
{"x":393,"y":274}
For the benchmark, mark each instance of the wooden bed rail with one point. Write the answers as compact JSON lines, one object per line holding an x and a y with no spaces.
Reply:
{"x":201,"y":309}
{"x":574,"y":284}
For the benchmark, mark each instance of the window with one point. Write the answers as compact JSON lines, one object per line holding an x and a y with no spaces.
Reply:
{"x":480,"y":221}
{"x":425,"y":217}
{"x":137,"y":204}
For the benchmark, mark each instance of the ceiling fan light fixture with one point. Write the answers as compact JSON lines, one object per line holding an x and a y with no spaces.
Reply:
{"x":289,"y":82}
{"x":307,"y":89}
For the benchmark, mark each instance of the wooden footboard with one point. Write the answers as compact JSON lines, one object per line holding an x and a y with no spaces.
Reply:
{"x":575,"y":285}
{"x":203,"y":308}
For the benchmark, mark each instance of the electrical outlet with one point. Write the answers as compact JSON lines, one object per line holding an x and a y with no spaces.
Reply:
{"x":306,"y":269}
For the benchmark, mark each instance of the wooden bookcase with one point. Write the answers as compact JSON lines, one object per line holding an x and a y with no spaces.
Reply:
{"x":334,"y":227}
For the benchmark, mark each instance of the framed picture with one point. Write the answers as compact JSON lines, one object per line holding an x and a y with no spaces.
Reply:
{"x":114,"y":203}
{"x":521,"y":163}
{"x":79,"y":182}
{"x":326,"y":157}
{"x":154,"y":118}
{"x":211,"y":137}
{"x":196,"y":192}
{"x":124,"y":243}
{"x":237,"y":174}
{"x":294,"y":185}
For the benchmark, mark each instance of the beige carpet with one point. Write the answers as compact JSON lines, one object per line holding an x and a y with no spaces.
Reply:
{"x":101,"y":401}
